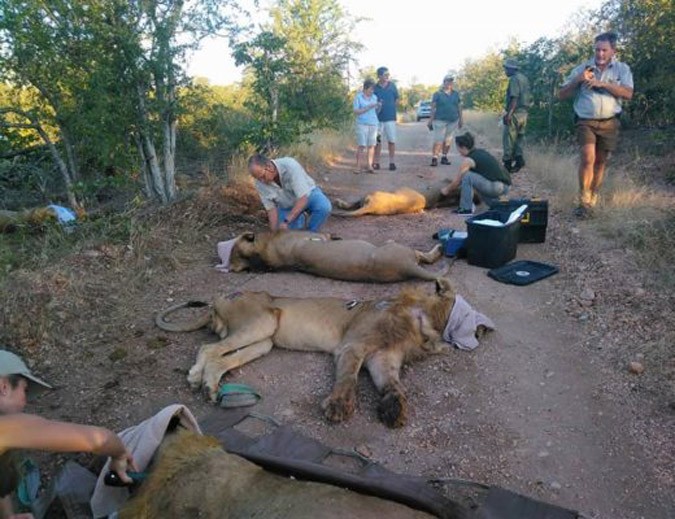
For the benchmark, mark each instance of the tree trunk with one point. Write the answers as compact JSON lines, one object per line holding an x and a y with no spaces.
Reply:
{"x":156,"y":177}
{"x":63,"y":168}
{"x":70,"y":153}
{"x":147,"y":181}
{"x":169,"y":158}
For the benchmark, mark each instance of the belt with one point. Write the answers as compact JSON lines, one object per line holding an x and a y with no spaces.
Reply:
{"x":577,"y":118}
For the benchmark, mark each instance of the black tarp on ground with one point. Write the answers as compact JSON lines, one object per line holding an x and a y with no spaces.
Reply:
{"x":287,"y":452}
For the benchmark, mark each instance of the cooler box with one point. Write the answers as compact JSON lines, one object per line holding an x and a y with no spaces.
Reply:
{"x":534,"y":222}
{"x":488,"y":246}
{"x":452,"y":241}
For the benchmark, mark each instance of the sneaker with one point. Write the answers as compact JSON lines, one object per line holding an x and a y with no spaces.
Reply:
{"x":583,"y":212}
{"x":445,"y":161}
{"x":463,"y":212}
{"x":434,"y":162}
{"x":376,"y":165}
{"x":392,"y":166}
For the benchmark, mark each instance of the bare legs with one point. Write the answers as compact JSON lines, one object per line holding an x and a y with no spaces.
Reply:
{"x":367,"y":153}
{"x":591,"y":174}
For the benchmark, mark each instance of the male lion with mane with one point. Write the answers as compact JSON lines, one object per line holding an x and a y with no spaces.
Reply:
{"x":381,"y":335}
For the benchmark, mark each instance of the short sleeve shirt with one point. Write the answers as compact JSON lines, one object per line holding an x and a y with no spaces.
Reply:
{"x":519,"y":87}
{"x":295,"y":183}
{"x":369,"y":117}
{"x":447,"y":105}
{"x":488,"y":167}
{"x":598,"y":103}
{"x":388,"y":95}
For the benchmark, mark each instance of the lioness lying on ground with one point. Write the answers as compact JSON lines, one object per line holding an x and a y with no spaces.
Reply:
{"x":321,"y":255}
{"x":381,"y":335}
{"x":401,"y":201}
{"x":193,"y":477}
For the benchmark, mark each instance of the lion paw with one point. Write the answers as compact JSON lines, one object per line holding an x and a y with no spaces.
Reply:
{"x":393,"y":410}
{"x":194,"y":377}
{"x":339,"y":409}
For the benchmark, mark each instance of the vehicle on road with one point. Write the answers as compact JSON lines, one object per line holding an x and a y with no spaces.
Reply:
{"x":423,"y":110}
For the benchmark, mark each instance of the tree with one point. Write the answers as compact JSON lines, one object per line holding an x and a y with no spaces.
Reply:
{"x":647,"y":39}
{"x":483,"y":83}
{"x":298,"y":69}
{"x":152,"y":38}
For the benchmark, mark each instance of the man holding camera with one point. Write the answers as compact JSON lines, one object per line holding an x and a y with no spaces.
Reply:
{"x":599,"y":86}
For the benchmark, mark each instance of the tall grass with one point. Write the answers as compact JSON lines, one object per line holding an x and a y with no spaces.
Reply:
{"x":632,"y":211}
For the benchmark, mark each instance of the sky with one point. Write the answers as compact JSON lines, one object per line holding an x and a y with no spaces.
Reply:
{"x":421,"y":41}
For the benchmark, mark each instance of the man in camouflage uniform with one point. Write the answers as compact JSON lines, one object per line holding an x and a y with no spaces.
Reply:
{"x":518,"y":101}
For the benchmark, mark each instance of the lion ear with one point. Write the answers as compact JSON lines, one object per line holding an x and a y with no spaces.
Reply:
{"x":443,"y":285}
{"x":248,"y":236}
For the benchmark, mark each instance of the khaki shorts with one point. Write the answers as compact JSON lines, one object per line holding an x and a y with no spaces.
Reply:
{"x":387,"y":130}
{"x":366,"y":134}
{"x":444,"y":131}
{"x":603,"y":133}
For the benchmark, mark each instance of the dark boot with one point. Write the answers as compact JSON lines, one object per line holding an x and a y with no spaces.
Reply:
{"x":508,"y":165}
{"x":520,"y":164}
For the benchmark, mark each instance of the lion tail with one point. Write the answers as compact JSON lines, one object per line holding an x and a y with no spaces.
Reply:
{"x":199,"y":322}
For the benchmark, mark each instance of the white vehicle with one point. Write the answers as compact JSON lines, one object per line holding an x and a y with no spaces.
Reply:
{"x":423,"y":110}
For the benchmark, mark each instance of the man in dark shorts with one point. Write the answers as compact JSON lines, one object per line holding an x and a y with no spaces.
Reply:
{"x":599,"y":86}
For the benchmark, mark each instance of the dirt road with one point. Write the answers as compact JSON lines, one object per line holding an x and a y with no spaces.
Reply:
{"x":533,"y":409}
{"x":526,"y":410}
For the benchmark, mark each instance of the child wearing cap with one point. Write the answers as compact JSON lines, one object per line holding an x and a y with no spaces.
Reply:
{"x":24,"y":431}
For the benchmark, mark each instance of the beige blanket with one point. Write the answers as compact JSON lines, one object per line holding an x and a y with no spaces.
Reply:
{"x":142,"y":441}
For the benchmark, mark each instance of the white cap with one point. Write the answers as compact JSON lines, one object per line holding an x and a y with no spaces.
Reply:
{"x":11,"y":364}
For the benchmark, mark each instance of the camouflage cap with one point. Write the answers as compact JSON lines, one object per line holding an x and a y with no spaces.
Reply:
{"x":511,"y":63}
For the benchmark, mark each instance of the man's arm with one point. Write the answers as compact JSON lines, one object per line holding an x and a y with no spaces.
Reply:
{"x":273,"y":218}
{"x":621,"y":91}
{"x":570,"y":88}
{"x":466,"y":165}
{"x":432,"y":115}
{"x":24,"y":431}
{"x":298,"y":208}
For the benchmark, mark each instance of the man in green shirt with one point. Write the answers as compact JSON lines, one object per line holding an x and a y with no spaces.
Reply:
{"x":518,"y":101}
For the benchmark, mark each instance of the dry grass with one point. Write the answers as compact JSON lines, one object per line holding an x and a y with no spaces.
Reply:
{"x":321,"y":148}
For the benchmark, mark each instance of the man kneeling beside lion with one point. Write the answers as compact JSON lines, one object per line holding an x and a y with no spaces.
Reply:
{"x":380,"y":335}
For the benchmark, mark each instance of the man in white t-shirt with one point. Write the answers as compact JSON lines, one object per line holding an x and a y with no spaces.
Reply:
{"x":287,"y":192}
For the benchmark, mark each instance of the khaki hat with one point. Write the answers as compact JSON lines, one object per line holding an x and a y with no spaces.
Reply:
{"x":511,"y":63}
{"x":11,"y":364}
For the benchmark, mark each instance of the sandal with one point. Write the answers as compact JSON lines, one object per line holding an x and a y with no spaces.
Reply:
{"x":237,"y":395}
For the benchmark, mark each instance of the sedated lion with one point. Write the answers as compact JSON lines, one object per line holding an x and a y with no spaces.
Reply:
{"x":381,"y":335}
{"x":402,"y":201}
{"x":323,"y":255}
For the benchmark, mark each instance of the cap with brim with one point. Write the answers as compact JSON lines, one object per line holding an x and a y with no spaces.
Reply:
{"x":512,"y":64}
{"x":448,"y":78}
{"x":11,"y":364}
